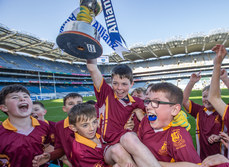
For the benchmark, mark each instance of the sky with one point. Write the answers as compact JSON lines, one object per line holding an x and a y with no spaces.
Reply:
{"x":139,"y":21}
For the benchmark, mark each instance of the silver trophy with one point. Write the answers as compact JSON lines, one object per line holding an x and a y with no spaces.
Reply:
{"x":80,"y":39}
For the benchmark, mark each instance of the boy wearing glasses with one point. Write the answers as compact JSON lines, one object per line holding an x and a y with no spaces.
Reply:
{"x":167,"y":143}
{"x":115,"y":108}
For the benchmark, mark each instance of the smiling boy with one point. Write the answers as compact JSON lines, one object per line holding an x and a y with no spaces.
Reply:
{"x":87,"y":148}
{"x":115,"y":107}
{"x":22,"y":136}
{"x":208,"y":121}
{"x":167,"y":143}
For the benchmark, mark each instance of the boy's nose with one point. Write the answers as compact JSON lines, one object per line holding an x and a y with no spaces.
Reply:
{"x":148,"y":106}
{"x":92,"y":127}
{"x":21,"y":98}
{"x":120,"y":86}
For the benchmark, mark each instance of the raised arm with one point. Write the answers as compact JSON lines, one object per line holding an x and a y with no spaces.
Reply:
{"x":94,"y":71}
{"x":214,"y":95}
{"x":195,"y":77}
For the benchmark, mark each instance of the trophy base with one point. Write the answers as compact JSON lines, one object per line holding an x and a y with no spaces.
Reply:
{"x":79,"y":44}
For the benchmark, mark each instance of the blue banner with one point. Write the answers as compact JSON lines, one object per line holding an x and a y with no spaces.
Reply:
{"x":110,"y":21}
{"x":72,"y":17}
{"x":110,"y":35}
{"x":116,"y":46}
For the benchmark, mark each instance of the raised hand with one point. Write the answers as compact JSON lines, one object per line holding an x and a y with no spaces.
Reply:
{"x":195,"y":77}
{"x":221,"y":52}
{"x":223,"y":74}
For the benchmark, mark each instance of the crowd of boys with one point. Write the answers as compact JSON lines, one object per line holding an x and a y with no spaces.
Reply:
{"x":144,"y":129}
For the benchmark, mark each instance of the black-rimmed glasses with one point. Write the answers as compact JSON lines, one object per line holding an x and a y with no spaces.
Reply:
{"x":155,"y":103}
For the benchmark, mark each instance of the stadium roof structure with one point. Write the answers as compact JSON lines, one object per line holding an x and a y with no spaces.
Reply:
{"x":15,"y":42}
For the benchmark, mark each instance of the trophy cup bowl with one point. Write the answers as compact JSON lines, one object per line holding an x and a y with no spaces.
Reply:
{"x":80,"y":39}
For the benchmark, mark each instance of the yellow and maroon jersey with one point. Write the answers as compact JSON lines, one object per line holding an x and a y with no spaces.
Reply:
{"x":52,"y":131}
{"x":113,"y":113}
{"x":87,"y":153}
{"x":20,"y":148}
{"x":207,"y":123}
{"x":64,"y":137}
{"x":52,"y":126}
{"x":226,"y":117}
{"x":170,"y":144}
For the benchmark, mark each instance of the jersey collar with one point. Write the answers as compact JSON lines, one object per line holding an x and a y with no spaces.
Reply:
{"x":164,"y":128}
{"x":86,"y":141}
{"x":205,"y":109}
{"x":7,"y":125}
{"x":66,"y":122}
{"x":131,"y":99}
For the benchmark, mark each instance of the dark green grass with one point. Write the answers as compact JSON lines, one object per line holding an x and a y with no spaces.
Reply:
{"x":54,"y":108}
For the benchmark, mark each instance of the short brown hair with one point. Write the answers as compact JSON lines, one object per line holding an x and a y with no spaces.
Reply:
{"x":173,"y":93}
{"x":82,"y":111}
{"x":124,"y":71}
{"x":72,"y":95}
{"x":39,"y":103}
{"x":11,"y":89}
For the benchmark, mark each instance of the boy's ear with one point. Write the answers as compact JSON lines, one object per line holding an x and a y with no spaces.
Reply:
{"x":64,"y":109}
{"x":45,"y":111}
{"x":3,"y":108}
{"x":176,"y":109}
{"x":73,"y":128}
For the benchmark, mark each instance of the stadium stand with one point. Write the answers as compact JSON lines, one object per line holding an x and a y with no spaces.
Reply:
{"x":50,"y":73}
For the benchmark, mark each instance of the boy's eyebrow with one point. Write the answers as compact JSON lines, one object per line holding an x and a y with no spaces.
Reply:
{"x":156,"y":98}
{"x":12,"y":94}
{"x":83,"y":122}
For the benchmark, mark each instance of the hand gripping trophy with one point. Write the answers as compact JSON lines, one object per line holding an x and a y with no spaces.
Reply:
{"x":81,"y":39}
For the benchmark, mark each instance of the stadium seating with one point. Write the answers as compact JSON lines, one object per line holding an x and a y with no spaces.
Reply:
{"x":54,"y":79}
